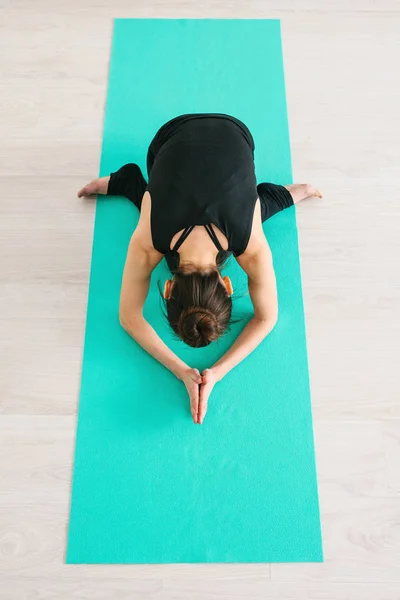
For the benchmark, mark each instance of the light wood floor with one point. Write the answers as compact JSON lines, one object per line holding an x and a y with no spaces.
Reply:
{"x":342,"y":69}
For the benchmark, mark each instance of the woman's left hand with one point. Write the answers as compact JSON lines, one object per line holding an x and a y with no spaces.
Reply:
{"x":209,"y":380}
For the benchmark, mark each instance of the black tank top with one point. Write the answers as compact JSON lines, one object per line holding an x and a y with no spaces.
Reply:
{"x":201,"y":172}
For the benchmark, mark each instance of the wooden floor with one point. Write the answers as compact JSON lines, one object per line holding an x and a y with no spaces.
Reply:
{"x":342,"y":70}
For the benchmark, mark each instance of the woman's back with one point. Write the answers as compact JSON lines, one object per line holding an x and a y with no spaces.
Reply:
{"x":201,"y":171}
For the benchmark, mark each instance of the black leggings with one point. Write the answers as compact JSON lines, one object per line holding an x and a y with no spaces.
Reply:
{"x":128,"y":181}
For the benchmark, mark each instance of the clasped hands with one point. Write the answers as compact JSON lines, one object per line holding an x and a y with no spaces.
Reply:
{"x":199,"y":387}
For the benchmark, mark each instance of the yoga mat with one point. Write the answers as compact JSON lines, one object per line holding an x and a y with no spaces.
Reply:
{"x":149,"y":486}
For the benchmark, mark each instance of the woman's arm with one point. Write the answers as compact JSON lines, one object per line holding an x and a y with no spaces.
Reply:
{"x":259,"y":267}
{"x":257,"y":262}
{"x":140,"y":262}
{"x":139,"y":265}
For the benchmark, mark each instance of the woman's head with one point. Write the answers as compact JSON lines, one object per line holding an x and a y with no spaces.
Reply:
{"x":199,"y":305}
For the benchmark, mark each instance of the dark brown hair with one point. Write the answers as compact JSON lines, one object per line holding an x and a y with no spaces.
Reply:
{"x":199,"y":309}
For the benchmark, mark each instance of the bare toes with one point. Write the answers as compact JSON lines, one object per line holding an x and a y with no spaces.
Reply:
{"x":312,"y":191}
{"x":88,"y":190}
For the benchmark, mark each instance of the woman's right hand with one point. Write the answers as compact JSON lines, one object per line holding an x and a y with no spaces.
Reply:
{"x":192,"y":380}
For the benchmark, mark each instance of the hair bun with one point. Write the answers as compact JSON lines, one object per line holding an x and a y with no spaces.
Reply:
{"x":199,"y":308}
{"x":198,"y":326}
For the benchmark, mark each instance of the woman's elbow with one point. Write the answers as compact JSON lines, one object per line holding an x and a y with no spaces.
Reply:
{"x":131,"y":323}
{"x":123,"y":320}
{"x":271,"y":322}
{"x":268,"y":323}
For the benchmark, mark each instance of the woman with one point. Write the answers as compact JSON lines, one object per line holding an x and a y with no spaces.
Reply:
{"x":201,"y":204}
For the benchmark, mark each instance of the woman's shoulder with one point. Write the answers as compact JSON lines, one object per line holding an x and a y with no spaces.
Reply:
{"x":143,"y":234}
{"x":257,"y":247}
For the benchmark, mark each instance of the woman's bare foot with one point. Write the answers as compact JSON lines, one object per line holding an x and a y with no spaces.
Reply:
{"x":97,"y":186}
{"x":301,"y":191}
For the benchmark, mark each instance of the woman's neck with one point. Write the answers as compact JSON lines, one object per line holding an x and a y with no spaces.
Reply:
{"x":201,"y":260}
{"x":199,"y":250}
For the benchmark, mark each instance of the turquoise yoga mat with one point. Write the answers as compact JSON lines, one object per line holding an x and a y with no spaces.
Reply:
{"x":149,"y":486}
